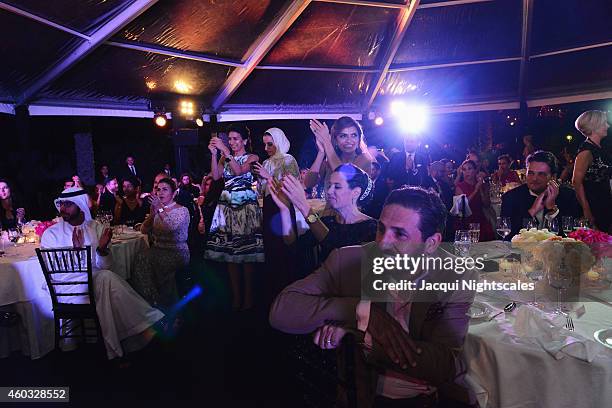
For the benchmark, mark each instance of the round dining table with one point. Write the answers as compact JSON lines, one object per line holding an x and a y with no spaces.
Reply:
{"x":23,"y":290}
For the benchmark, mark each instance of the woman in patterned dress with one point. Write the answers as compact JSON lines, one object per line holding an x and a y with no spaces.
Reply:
{"x":155,"y":268}
{"x":235,"y":233}
{"x":593,"y":169}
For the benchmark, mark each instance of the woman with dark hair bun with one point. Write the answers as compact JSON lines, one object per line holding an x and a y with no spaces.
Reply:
{"x":349,"y":188}
{"x":235,"y":235}
{"x":342,"y":144}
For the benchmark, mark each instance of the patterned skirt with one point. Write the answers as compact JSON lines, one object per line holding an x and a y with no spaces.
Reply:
{"x":235,"y":234}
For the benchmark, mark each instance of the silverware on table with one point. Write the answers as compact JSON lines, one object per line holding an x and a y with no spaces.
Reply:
{"x":569,"y":324}
{"x":507,"y":309}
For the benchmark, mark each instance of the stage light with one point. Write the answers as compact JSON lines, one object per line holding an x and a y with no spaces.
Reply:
{"x":379,"y":121}
{"x":187,"y":108}
{"x":199,"y":122}
{"x":512,"y":123}
{"x":151,"y":84}
{"x":182,"y":86}
{"x":412,"y":118}
{"x":569,"y":138}
{"x":427,"y":146}
{"x":160,"y":119}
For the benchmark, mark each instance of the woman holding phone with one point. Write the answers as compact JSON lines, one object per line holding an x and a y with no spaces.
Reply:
{"x":235,"y":233}
{"x":278,"y":165}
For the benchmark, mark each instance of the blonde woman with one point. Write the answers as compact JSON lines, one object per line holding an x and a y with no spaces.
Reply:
{"x":592,"y":170}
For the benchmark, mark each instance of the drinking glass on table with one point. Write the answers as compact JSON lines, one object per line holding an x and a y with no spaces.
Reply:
{"x":552,"y":224}
{"x":560,"y":277}
{"x":463,"y":242}
{"x":529,"y":223}
{"x":503,"y":227}
{"x":1,"y":243}
{"x":567,"y":223}
{"x":474,"y":232}
{"x":582,"y":223}
{"x":13,"y":235}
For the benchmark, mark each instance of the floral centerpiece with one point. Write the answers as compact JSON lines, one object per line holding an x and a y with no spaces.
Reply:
{"x":601,"y":247}
{"x":40,"y":228}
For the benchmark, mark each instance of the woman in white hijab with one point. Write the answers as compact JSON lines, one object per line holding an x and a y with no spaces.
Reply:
{"x":278,"y":165}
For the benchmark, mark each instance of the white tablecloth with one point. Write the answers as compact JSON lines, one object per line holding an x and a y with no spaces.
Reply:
{"x":23,"y":288}
{"x":512,"y":371}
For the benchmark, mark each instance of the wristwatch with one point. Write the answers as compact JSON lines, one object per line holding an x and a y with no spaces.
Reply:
{"x":312,"y":218}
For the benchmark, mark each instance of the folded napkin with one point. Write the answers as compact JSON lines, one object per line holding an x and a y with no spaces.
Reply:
{"x":461,"y":207}
{"x":532,"y":323}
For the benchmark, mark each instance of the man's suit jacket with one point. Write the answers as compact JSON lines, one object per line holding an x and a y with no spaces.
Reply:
{"x":396,"y":170}
{"x":332,"y":293}
{"x":517,"y":202}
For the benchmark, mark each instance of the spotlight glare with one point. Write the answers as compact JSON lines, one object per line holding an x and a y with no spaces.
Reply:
{"x":182,"y":86}
{"x":199,"y":122}
{"x":160,"y":120}
{"x":379,"y":121}
{"x":569,"y":138}
{"x":411,"y":118}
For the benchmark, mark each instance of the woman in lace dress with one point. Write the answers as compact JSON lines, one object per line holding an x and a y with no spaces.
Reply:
{"x":235,"y":235}
{"x":593,"y":169}
{"x":168,"y":222}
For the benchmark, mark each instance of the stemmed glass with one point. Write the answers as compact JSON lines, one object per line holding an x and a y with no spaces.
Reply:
{"x":503,"y":227}
{"x":529,"y":223}
{"x":582,"y":223}
{"x":552,"y":225}
{"x":1,"y":243}
{"x":568,"y":224}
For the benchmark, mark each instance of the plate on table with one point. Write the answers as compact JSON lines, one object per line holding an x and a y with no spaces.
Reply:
{"x":604,"y":337}
{"x":478,"y":310}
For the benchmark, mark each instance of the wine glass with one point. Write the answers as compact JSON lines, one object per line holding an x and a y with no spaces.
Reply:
{"x":582,"y":223}
{"x":13,"y":235}
{"x":474,"y":232}
{"x":529,"y":223}
{"x":560,"y":277}
{"x":568,"y":224}
{"x":462,"y":242}
{"x":503,"y":227}
{"x":1,"y":243}
{"x":552,"y":224}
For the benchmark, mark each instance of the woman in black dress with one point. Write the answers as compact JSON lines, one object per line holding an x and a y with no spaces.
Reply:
{"x":11,"y":213}
{"x":350,"y":187}
{"x":593,"y":169}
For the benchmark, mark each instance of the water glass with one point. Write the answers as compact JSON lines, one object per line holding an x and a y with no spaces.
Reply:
{"x":560,"y":277}
{"x":529,"y":223}
{"x":474,"y":232}
{"x":463,"y":242}
{"x":13,"y":235}
{"x":582,"y":223}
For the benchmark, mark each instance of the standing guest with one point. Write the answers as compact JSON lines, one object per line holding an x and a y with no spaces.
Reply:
{"x":476,"y":190}
{"x":445,"y":191}
{"x":11,"y":213}
{"x":207,"y":202}
{"x":409,"y":168}
{"x":102,"y":174}
{"x":540,"y":198}
{"x":123,"y":314}
{"x":343,"y":144}
{"x":474,"y":156}
{"x":109,"y":201}
{"x":449,"y":172}
{"x":593,"y":170}
{"x":278,"y":165}
{"x":133,"y":209}
{"x":187,"y":185}
{"x":349,"y":188}
{"x":155,"y":268}
{"x":130,"y":167}
{"x":235,"y":234}
{"x":529,"y":146}
{"x":568,"y":166}
{"x":504,"y":173}
{"x":379,"y":195}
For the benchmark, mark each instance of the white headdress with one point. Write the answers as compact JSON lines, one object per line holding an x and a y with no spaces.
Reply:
{"x":78,"y":196}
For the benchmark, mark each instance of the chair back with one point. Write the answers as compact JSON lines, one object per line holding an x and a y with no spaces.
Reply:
{"x":68,"y":272}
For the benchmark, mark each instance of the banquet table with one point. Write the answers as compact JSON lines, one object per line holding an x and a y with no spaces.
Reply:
{"x":511,"y":364}
{"x":23,"y":289}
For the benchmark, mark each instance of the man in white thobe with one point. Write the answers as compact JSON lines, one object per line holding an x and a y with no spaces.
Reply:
{"x":125,"y":317}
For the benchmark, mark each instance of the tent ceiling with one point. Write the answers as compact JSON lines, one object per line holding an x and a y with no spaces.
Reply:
{"x":301,"y":56}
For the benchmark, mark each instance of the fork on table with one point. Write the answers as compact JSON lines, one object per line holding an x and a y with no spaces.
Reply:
{"x":569,"y":323}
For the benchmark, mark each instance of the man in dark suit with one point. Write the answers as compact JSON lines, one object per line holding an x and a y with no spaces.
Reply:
{"x":439,"y":181}
{"x":129,"y":170}
{"x":541,"y":198}
{"x":415,"y":342}
{"x":409,"y":167}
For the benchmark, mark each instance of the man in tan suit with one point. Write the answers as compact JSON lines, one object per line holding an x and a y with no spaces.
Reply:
{"x":412,"y":343}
